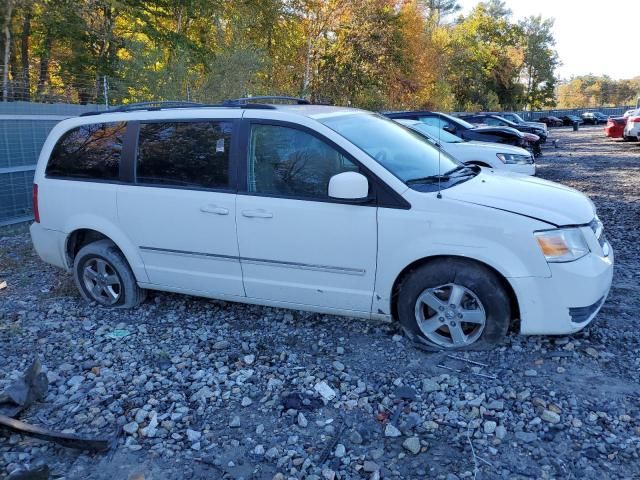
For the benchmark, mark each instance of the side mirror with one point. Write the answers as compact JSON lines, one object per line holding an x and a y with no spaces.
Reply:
{"x":349,"y":186}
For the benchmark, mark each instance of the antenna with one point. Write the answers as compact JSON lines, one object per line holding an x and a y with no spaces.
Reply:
{"x":439,"y":153}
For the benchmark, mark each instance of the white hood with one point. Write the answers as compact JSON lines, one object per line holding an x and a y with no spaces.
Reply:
{"x":525,"y":195}
{"x":482,"y":151}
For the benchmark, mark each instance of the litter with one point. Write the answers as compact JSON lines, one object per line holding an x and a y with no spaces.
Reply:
{"x":117,"y":334}
{"x":3,"y":284}
{"x":472,"y":362}
{"x":69,"y":440}
{"x":19,"y":395}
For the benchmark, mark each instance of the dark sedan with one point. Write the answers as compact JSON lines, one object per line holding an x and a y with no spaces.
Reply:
{"x":463,"y":129}
{"x":551,"y":121}
{"x":571,"y":119}
{"x":594,"y":118}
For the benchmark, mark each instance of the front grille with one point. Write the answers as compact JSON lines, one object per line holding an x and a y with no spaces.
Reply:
{"x":582,"y":314}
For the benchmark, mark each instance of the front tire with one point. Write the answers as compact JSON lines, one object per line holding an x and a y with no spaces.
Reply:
{"x":453,"y":304}
{"x":102,"y":275}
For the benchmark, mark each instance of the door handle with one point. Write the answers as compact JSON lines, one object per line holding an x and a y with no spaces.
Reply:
{"x":257,"y":214}
{"x":214,"y":209}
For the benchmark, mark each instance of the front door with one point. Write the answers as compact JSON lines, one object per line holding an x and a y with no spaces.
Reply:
{"x":180,"y":211}
{"x":296,"y":244}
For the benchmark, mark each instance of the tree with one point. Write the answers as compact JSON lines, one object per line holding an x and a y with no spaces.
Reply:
{"x":540,"y":62}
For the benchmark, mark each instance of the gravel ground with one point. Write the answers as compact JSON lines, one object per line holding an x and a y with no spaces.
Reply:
{"x":208,"y":389}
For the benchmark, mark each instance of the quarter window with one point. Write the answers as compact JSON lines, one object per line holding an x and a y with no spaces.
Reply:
{"x":188,"y":154}
{"x":289,"y":162}
{"x":89,"y":152}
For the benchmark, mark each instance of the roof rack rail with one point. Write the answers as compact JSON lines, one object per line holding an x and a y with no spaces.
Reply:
{"x":250,"y":100}
{"x":157,"y":105}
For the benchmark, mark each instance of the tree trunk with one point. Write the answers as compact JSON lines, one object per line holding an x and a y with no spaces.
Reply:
{"x":7,"y":50}
{"x":43,"y":75}
{"x":24,"y":53}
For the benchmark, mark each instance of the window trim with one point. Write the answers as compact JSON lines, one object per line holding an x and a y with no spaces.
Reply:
{"x":123,"y":154}
{"x":132,"y":154}
{"x":381,"y":195}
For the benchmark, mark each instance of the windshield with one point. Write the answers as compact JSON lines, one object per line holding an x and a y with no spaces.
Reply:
{"x":518,"y":118}
{"x":403,"y":152}
{"x":458,"y":120}
{"x":436,"y":133}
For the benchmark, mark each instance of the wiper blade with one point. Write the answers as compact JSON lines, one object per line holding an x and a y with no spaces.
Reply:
{"x":429,"y":179}
{"x":460,"y":168}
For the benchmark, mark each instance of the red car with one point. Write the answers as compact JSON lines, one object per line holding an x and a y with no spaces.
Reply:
{"x":615,"y":127}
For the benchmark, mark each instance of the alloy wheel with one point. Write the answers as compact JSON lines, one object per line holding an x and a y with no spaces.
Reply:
{"x":101,"y":281}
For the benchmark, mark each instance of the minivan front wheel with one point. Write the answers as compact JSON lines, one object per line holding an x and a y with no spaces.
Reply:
{"x":454,"y":304}
{"x":103,"y":275}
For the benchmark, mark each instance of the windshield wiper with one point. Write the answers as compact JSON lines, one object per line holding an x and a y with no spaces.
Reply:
{"x":459,"y":168}
{"x":429,"y":179}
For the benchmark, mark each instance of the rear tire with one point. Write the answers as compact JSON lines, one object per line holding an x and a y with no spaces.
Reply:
{"x":103,"y":275}
{"x":454,"y":304}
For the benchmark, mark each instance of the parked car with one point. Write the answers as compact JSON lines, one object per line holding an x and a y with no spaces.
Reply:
{"x":496,"y":120}
{"x":571,"y":119}
{"x":484,"y":154}
{"x":631,"y":112}
{"x":632,"y":128}
{"x":551,"y":121}
{"x":615,"y":127}
{"x":594,"y":118}
{"x":517,"y":119}
{"x":319,"y":208}
{"x":465,"y":130}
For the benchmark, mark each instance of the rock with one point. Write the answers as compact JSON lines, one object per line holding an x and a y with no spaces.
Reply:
{"x":302,"y":420}
{"x":429,"y":385}
{"x":193,"y":435}
{"x":551,"y":417}
{"x":496,"y":405}
{"x":489,"y":427}
{"x":526,"y":437}
{"x":592,"y":352}
{"x":220,"y":345}
{"x":339,"y":366}
{"x":272,"y":453}
{"x":152,"y":428}
{"x":258,"y":450}
{"x":235,"y":422}
{"x":246,"y":401}
{"x":340,"y":451}
{"x":249,"y":359}
{"x":370,"y":466}
{"x":412,"y":444}
{"x":340,"y":350}
{"x":531,"y":373}
{"x":391,"y":431}
{"x":355,"y":437}
{"x":131,"y":428}
{"x":260,"y":429}
{"x":328,"y":474}
{"x":501,"y":432}
{"x":325,"y":390}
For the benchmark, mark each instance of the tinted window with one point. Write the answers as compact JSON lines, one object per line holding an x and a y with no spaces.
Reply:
{"x":289,"y":162}
{"x":90,"y":151}
{"x":189,"y":154}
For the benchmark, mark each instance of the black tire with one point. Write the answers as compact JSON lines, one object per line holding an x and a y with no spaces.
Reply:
{"x":480,"y":280}
{"x":105,"y":253}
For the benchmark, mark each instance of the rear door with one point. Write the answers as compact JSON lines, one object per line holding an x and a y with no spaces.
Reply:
{"x":180,"y":208}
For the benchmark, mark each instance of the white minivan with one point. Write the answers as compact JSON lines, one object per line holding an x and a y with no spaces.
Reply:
{"x":319,"y":208}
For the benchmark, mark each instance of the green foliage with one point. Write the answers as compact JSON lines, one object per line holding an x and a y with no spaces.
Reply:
{"x":593,"y":91}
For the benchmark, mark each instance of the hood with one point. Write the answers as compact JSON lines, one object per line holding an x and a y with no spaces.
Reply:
{"x":490,"y":147}
{"x":488,"y":129}
{"x":540,"y":125}
{"x":525,"y":195}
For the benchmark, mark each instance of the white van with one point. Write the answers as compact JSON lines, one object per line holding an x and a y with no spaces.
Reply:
{"x":319,"y":208}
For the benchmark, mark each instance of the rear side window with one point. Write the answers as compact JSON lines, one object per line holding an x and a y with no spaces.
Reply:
{"x":88,"y":152}
{"x":187,"y":154}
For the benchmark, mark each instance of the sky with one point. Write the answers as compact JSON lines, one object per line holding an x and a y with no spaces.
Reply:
{"x":592,"y":36}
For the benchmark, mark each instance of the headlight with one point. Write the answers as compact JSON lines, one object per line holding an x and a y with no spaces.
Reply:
{"x":514,"y":159}
{"x":562,"y":245}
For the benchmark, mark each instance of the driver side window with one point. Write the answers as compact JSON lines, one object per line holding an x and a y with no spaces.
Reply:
{"x":289,"y":162}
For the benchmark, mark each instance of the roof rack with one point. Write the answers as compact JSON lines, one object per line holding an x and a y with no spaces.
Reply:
{"x":249,"y":100}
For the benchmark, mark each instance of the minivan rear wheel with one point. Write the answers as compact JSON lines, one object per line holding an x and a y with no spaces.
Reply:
{"x":103,"y":275}
{"x":454,"y":304}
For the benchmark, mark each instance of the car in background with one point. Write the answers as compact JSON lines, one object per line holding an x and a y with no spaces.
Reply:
{"x":632,"y":128}
{"x":517,"y":119}
{"x":551,"y":121}
{"x":462,"y":129}
{"x":569,"y":120}
{"x":594,"y":118}
{"x":633,"y":111}
{"x":494,"y":155}
{"x":615,"y":127}
{"x":497,"y":121}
